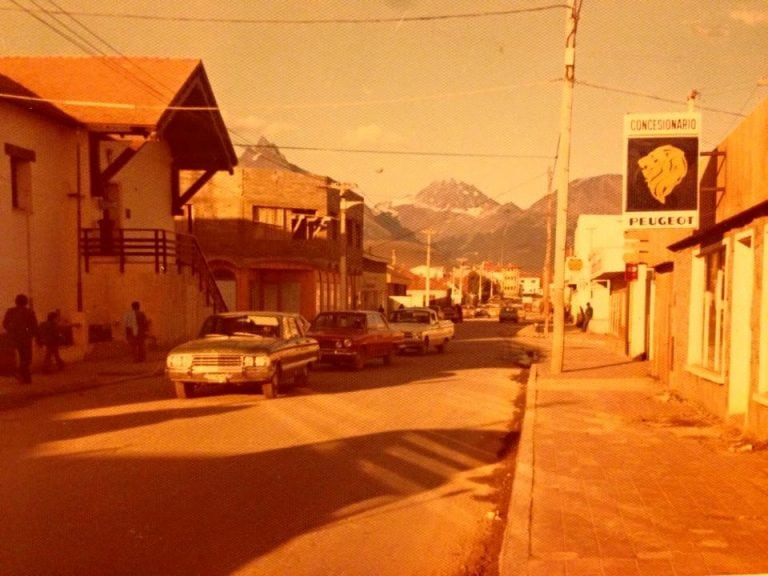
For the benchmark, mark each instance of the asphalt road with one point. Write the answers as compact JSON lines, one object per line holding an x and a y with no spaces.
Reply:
{"x":385,"y":471}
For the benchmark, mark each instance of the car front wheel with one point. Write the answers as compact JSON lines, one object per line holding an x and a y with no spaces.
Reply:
{"x":184,"y":389}
{"x":272,"y":388}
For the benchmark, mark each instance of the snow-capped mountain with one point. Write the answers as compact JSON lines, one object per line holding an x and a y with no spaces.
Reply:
{"x":443,"y":207}
{"x":445,"y":196}
{"x":464,"y":221}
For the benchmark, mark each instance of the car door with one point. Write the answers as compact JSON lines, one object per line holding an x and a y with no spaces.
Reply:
{"x":380,"y":333}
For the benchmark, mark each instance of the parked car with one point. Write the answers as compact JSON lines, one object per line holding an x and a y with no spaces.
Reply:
{"x":353,"y":337}
{"x":482,"y":312}
{"x":421,"y":328}
{"x":241,"y":348}
{"x":511,"y":313}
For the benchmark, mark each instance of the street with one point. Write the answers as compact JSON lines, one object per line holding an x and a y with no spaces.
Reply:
{"x":390,"y":470}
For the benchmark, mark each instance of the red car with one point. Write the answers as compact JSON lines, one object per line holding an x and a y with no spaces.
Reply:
{"x":353,"y":337}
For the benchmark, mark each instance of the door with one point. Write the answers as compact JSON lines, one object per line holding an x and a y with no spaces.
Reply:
{"x":739,"y":365}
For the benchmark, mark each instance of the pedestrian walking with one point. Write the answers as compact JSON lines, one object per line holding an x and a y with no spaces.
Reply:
{"x":20,"y":323}
{"x":587,"y":317}
{"x":136,"y":328}
{"x":49,"y":336}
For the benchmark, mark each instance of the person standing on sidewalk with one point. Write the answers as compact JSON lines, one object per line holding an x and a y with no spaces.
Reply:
{"x":21,"y":324}
{"x":136,"y":326}
{"x":49,"y":336}
{"x":588,"y":312}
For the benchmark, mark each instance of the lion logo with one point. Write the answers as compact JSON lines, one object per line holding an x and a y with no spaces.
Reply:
{"x":663,"y":169}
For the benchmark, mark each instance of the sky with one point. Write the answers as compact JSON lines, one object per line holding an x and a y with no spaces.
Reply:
{"x":392,"y":95}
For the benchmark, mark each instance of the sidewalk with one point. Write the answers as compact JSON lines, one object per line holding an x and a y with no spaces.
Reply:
{"x":78,"y":376}
{"x":614,"y":476}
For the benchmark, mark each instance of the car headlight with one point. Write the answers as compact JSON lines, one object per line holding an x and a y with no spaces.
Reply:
{"x":178,"y":361}
{"x":259,"y":361}
{"x":346,"y":343}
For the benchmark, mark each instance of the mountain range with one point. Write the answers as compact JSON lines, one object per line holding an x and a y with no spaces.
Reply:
{"x":458,"y":221}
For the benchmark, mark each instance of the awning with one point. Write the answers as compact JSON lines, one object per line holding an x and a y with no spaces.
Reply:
{"x":716,"y":232}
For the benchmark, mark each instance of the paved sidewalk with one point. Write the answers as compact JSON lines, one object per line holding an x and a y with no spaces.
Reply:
{"x":616,"y":476}
{"x":78,"y":376}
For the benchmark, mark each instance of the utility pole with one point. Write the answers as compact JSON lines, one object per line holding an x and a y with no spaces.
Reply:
{"x":344,"y":204}
{"x":429,"y":266}
{"x":480,"y":283}
{"x":547,"y":272}
{"x":461,"y":262}
{"x":563,"y":173}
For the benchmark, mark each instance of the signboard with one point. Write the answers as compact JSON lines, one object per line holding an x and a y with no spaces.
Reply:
{"x":661,"y":172}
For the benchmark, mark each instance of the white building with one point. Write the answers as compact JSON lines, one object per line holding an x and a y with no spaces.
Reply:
{"x":595,"y":273}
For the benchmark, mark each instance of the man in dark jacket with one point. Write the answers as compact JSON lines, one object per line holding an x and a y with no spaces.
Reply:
{"x":21,"y":324}
{"x":49,"y":336}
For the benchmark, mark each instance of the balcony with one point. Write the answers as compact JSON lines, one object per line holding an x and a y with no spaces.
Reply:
{"x":159,"y":248}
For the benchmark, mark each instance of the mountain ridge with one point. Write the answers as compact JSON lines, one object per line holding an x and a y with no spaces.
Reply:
{"x":465,"y":223}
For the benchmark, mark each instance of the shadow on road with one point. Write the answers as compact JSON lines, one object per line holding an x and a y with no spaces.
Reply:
{"x":169,"y":515}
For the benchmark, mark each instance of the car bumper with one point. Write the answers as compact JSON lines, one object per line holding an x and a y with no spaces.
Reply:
{"x":245,"y":376}
{"x":411,"y":344}
{"x":337,"y":355}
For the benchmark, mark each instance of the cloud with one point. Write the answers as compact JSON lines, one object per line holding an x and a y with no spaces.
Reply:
{"x":371,"y":135}
{"x":750,"y":16}
{"x":705,"y":31}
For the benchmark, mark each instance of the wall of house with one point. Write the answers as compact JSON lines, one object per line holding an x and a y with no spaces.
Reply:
{"x":738,"y":393}
{"x":38,"y":245}
{"x":709,"y":394}
{"x":144,"y":186}
{"x":273,"y":269}
{"x":745,"y":173}
{"x":172,"y":301}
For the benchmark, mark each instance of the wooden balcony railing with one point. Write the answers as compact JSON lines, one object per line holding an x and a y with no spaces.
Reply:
{"x":161,"y":248}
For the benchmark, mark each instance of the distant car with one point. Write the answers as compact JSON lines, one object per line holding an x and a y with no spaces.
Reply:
{"x":353,"y":337}
{"x":241,"y":348}
{"x":422,"y":328}
{"x":482,"y":313}
{"x":511,"y":313}
{"x":452,"y":313}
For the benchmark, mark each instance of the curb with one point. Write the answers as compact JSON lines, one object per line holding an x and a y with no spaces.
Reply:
{"x":31,"y":393}
{"x":515,"y":548}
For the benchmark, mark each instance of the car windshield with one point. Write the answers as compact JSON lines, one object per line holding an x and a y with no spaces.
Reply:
{"x":351,"y":320}
{"x":253,"y":325}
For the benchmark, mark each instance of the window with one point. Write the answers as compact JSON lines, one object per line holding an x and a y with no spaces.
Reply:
{"x":762,"y":383}
{"x":269,"y":215}
{"x":21,"y":176}
{"x":707,"y":311}
{"x":302,"y":223}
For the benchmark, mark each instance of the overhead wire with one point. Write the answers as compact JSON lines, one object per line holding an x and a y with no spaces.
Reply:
{"x":75,"y":37}
{"x":319,"y":21}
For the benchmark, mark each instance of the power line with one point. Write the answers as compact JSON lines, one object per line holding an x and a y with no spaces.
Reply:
{"x":397,"y":19}
{"x":399,"y":152}
{"x":75,"y":37}
{"x":405,"y":99}
{"x":653,"y":97}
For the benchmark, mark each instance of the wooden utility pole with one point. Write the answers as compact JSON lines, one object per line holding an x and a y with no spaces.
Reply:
{"x":429,"y":266}
{"x":563,"y":173}
{"x":344,"y":204}
{"x":547,"y":272}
